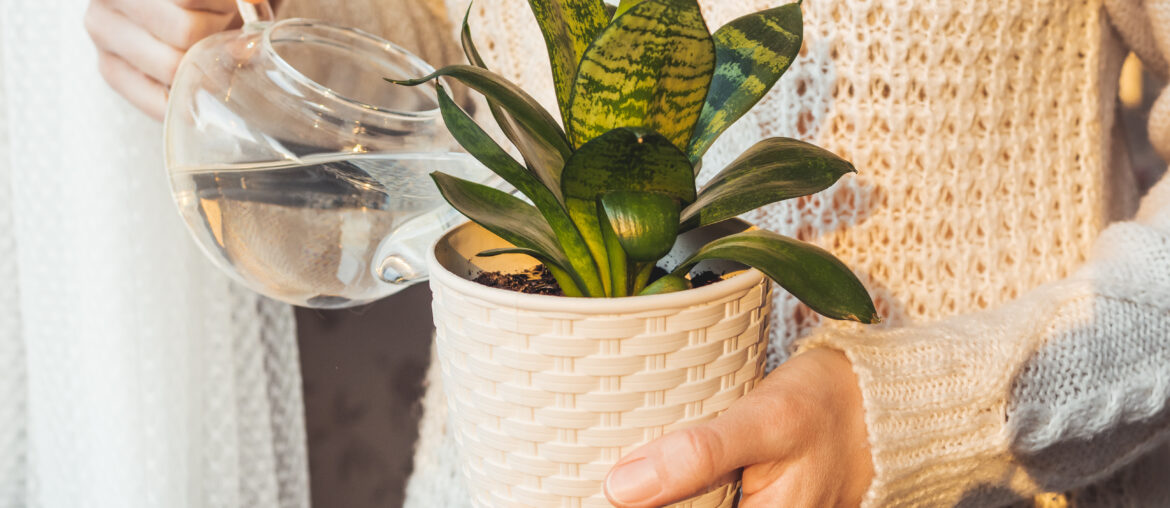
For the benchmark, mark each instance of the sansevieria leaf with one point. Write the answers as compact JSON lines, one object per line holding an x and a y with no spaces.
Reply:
{"x":530,"y":117}
{"x":621,"y":160}
{"x":644,"y":223}
{"x":669,"y":283}
{"x":484,"y":148}
{"x":545,"y":160}
{"x":624,"y":6}
{"x":809,"y":272}
{"x":569,"y":26}
{"x":751,"y":53}
{"x":505,"y":215}
{"x":773,"y":170}
{"x":628,"y":159}
{"x":650,"y":68}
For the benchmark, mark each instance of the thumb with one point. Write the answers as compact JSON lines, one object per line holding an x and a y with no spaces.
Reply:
{"x":685,"y":462}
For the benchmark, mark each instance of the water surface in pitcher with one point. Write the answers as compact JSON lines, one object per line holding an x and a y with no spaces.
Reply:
{"x":317,"y":233}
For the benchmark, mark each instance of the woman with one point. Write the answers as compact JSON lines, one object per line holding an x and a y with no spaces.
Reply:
{"x":1027,"y":338}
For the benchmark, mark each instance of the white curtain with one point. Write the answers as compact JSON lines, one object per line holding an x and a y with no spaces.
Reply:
{"x":132,"y":373}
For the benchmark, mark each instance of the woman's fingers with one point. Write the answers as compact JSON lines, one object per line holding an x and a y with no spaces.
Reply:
{"x":797,"y":488}
{"x":759,"y":428}
{"x":174,"y":25}
{"x":802,"y":430}
{"x":144,"y":93}
{"x":220,"y":6}
{"x":141,"y":42}
{"x":113,"y":33}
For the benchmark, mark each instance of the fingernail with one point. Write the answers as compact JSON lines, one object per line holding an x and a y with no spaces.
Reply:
{"x":633,"y":482}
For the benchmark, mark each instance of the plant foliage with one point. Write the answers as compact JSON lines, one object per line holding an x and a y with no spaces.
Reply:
{"x":643,"y":90}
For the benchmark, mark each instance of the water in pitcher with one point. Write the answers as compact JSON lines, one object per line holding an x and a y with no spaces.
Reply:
{"x":318,"y":233}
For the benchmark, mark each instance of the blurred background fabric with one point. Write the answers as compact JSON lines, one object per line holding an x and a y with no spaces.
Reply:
{"x":132,"y":373}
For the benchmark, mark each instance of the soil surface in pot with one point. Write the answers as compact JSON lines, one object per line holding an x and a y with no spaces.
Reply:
{"x":539,"y":280}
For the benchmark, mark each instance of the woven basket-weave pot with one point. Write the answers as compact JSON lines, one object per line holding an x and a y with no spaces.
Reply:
{"x":547,"y":393}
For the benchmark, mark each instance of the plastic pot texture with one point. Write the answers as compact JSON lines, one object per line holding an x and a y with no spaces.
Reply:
{"x":547,"y":393}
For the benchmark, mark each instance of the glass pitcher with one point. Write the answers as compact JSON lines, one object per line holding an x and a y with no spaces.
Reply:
{"x":300,"y":171}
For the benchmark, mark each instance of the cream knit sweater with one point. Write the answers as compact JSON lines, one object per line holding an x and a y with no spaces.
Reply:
{"x":1027,"y":341}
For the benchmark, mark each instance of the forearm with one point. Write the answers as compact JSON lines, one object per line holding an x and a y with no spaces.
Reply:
{"x":989,"y":406}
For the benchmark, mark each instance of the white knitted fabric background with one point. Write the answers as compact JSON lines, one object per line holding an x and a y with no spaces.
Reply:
{"x":981,"y":132}
{"x":132,"y":374}
{"x":13,"y":389}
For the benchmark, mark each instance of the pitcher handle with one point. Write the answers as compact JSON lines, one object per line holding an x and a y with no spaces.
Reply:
{"x":255,"y":11}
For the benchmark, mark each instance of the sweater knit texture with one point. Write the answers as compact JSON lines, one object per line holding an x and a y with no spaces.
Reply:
{"x":1026,"y":307}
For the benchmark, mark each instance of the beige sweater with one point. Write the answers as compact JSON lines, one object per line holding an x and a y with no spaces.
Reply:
{"x":1027,"y":341}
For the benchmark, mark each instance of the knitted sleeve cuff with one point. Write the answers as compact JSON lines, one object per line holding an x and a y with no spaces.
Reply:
{"x":936,"y":400}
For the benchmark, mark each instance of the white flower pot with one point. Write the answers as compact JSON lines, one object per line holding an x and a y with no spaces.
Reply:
{"x":547,"y":393}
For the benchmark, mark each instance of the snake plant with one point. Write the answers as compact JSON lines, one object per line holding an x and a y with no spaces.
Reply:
{"x":644,"y":89}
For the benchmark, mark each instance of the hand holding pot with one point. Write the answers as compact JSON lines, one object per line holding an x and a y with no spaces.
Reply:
{"x":140,"y":42}
{"x":800,"y":435}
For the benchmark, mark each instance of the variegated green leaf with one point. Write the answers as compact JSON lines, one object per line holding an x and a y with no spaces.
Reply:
{"x":484,"y":148}
{"x":624,"y":6}
{"x":619,"y":262}
{"x":628,"y":159}
{"x":569,"y":26}
{"x":644,"y":223}
{"x":751,"y":53}
{"x":501,"y":213}
{"x":545,"y":160}
{"x":539,"y":127}
{"x":669,"y":283}
{"x":650,"y":68}
{"x":622,"y":159}
{"x":773,"y":170}
{"x":809,"y":272}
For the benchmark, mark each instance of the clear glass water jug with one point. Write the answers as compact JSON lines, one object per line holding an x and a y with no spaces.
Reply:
{"x":300,"y":171}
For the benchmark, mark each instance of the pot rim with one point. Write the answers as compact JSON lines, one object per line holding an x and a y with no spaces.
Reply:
{"x":583,"y":305}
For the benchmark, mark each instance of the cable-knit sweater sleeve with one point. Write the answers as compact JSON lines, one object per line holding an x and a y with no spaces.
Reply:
{"x":1052,"y":391}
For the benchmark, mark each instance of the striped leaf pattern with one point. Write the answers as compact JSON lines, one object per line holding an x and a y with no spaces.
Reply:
{"x":622,"y":159}
{"x":751,"y":54}
{"x":650,"y":68}
{"x":809,"y":272}
{"x":568,"y":27}
{"x":537,"y":124}
{"x":480,"y":145}
{"x":773,"y":170}
{"x":544,"y":160}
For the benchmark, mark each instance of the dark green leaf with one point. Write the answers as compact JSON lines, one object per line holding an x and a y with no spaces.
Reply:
{"x":628,"y":159}
{"x":539,"y":127}
{"x":622,"y":159}
{"x":545,"y":160}
{"x":568,"y":27}
{"x":773,"y":170}
{"x":752,"y":52}
{"x":520,"y":223}
{"x":669,"y":283}
{"x":482,"y":147}
{"x":810,"y":273}
{"x":645,"y":223}
{"x":650,"y":68}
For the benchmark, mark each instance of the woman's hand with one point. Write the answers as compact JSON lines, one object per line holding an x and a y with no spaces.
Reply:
{"x":800,"y":436}
{"x":140,"y":42}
